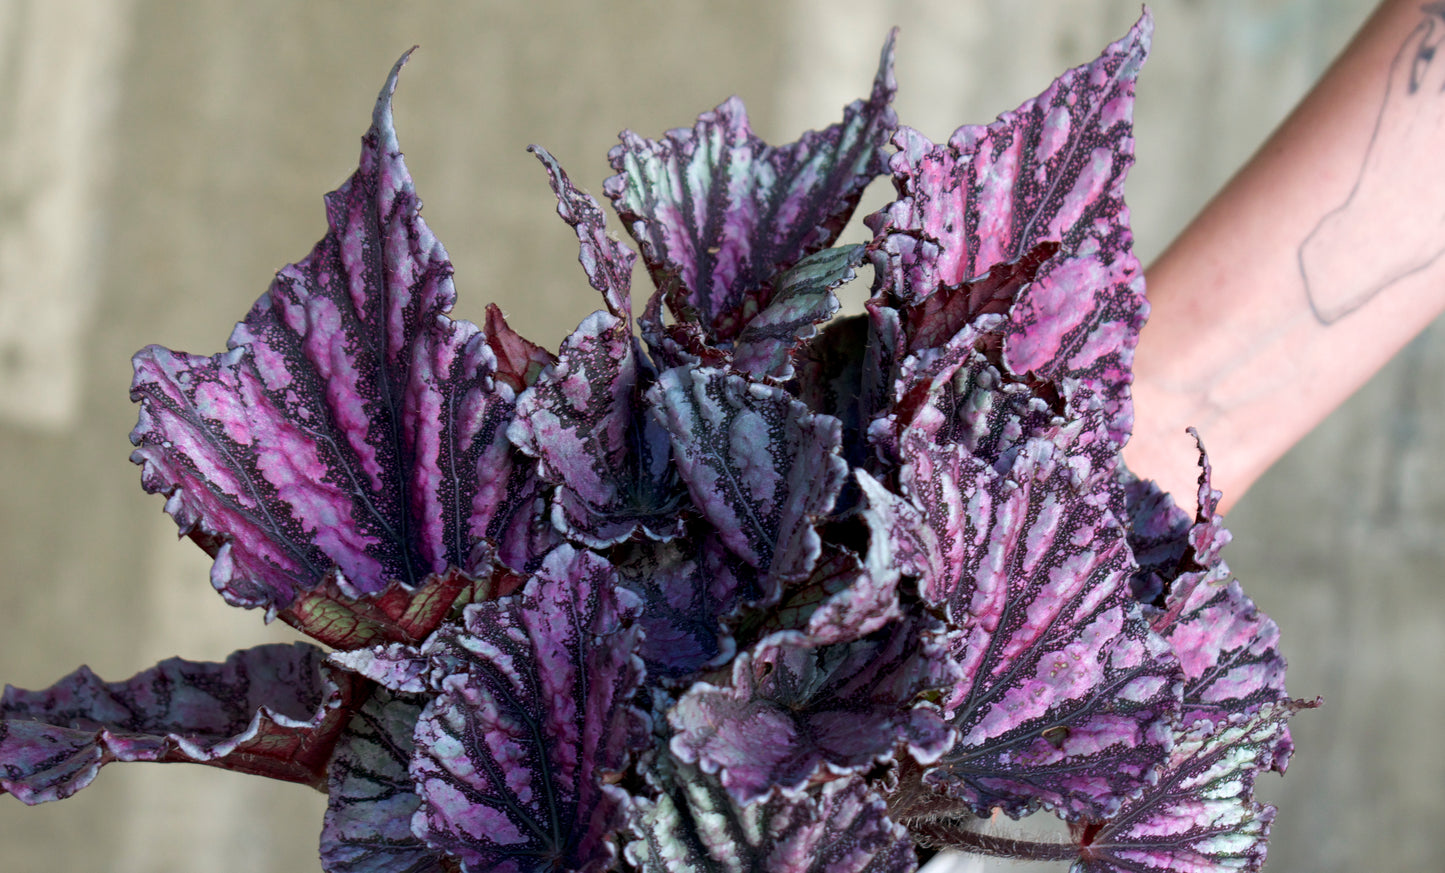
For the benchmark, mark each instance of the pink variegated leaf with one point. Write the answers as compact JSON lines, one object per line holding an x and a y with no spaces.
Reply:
{"x":1068,"y":696}
{"x":351,"y":425}
{"x":533,"y":714}
{"x":695,"y":826}
{"x":795,"y":709}
{"x":1228,"y":649}
{"x":273,"y":710}
{"x":760,"y":467}
{"x":719,"y":213}
{"x":849,"y":596}
{"x":1051,"y":171}
{"x":584,"y":419}
{"x":1201,"y":814}
{"x":607,"y":262}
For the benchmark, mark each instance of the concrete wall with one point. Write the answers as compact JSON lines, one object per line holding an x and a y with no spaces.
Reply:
{"x":159,"y":160}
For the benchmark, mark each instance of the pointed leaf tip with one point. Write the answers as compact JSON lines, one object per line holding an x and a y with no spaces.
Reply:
{"x":719,"y":213}
{"x":351,"y":424}
{"x":608,"y":262}
{"x":381,"y":116}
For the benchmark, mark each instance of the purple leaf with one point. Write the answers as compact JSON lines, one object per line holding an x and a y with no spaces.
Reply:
{"x":394,"y":666}
{"x":696,"y":827}
{"x":794,"y":709}
{"x":1228,"y":649}
{"x":1050,"y":171}
{"x":367,"y":828}
{"x":1158,"y":537}
{"x":719,"y":213}
{"x":533,"y":715}
{"x":803,"y":297}
{"x":758,"y":465}
{"x":273,"y":710}
{"x":955,"y":395}
{"x":685,"y":592}
{"x":832,"y":605}
{"x":1201,"y":815}
{"x":830,"y":374}
{"x":351,"y":424}
{"x":932,"y":321}
{"x":607,"y":262}
{"x":848,"y":597}
{"x":1068,"y":694}
{"x":583,"y":419}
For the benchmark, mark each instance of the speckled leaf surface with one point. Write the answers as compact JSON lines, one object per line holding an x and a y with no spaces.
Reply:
{"x":803,"y":298}
{"x":759,"y":466}
{"x":718,"y":212}
{"x":794,"y":709}
{"x":533,"y":713}
{"x":351,"y":424}
{"x":696,"y":827}
{"x":849,"y":596}
{"x":273,"y":710}
{"x":955,"y":394}
{"x":1201,"y":815}
{"x":1068,"y":694}
{"x":585,"y":422}
{"x":932,"y":321}
{"x":686,"y":588}
{"x":1228,"y":649}
{"x":1051,"y":171}
{"x":367,"y":828}
{"x":583,"y":419}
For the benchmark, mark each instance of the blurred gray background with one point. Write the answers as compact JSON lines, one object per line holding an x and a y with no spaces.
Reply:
{"x":159,"y":160}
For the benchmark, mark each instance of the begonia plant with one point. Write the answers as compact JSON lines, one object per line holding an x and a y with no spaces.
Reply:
{"x":745,"y":585}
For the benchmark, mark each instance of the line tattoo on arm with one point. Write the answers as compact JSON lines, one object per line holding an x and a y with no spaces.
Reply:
{"x":1392,"y":224}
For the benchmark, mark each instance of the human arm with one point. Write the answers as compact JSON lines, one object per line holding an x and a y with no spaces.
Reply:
{"x":1318,"y":261}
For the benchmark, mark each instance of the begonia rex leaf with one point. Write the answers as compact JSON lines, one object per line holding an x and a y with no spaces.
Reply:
{"x":1051,"y":171}
{"x":351,"y":424}
{"x":1201,"y":814}
{"x":274,"y":710}
{"x":1228,"y":649}
{"x":696,"y":826}
{"x":794,"y":708}
{"x":719,"y":213}
{"x":532,"y":714}
{"x":759,"y":466}
{"x":686,"y":590}
{"x":367,"y":828}
{"x":803,"y":298}
{"x":1068,"y":694}
{"x":584,"y":418}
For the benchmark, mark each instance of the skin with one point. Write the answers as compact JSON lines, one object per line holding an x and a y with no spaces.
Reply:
{"x":1308,"y":272}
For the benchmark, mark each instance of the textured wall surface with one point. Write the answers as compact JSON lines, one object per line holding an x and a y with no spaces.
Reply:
{"x":159,"y":160}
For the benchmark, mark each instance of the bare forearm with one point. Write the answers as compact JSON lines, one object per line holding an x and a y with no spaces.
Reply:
{"x":1309,"y":271}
